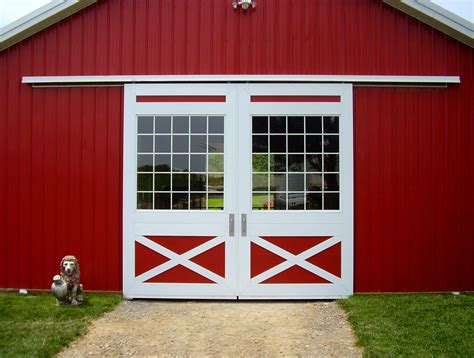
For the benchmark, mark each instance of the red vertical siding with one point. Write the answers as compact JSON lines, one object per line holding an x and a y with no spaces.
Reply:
{"x":61,"y":148}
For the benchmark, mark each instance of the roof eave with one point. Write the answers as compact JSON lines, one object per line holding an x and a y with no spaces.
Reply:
{"x":39,"y":20}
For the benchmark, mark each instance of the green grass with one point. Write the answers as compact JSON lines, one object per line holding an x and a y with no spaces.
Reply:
{"x":413,"y":324}
{"x":33,"y":325}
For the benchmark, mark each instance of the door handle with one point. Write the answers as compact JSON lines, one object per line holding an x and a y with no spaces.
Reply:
{"x":231,"y":225}
{"x":243,"y":224}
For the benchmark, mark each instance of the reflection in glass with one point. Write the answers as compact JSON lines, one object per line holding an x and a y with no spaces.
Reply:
{"x":145,"y":144}
{"x":331,"y":182}
{"x":163,"y":201}
{"x":331,"y":143}
{"x":216,"y":144}
{"x":260,"y":201}
{"x":144,"y":201}
{"x":162,"y":182}
{"x":197,"y":201}
{"x":163,"y":125}
{"x":278,"y":201}
{"x":163,"y":143}
{"x":260,"y":182}
{"x":180,"y":124}
{"x":145,"y":125}
{"x":296,"y":162}
{"x":295,"y":201}
{"x":180,"y":201}
{"x":260,"y":162}
{"x":314,"y":201}
{"x":259,"y":143}
{"x":313,"y":124}
{"x":296,"y":143}
{"x":216,"y":124}
{"x":278,"y":124}
{"x":215,"y":202}
{"x":180,"y":162}
{"x":198,"y":162}
{"x":144,"y":182}
{"x":180,"y":143}
{"x":277,"y":144}
{"x":198,"y":144}
{"x":277,"y":182}
{"x":145,"y":163}
{"x":215,"y":162}
{"x":331,"y":124}
{"x":331,"y":162}
{"x":259,"y":124}
{"x":296,"y":124}
{"x":215,"y":182}
{"x":198,"y":124}
{"x":180,"y":182}
{"x":162,"y":163}
{"x":314,"y":163}
{"x":331,"y":201}
{"x":278,"y":162}
{"x":314,"y":182}
{"x":314,"y":143}
{"x":198,"y":182}
{"x":295,"y":182}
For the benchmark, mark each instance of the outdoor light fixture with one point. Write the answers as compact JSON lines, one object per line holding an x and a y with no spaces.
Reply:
{"x":245,"y":4}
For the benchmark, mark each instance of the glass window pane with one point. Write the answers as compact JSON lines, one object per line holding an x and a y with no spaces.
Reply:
{"x":314,"y":182}
{"x":314,"y":143}
{"x":216,"y":124}
{"x":145,"y":125}
{"x":216,"y":144}
{"x":295,"y":201}
{"x":313,"y":124}
{"x":180,"y":201}
{"x":259,"y":124}
{"x":215,"y":163}
{"x":314,"y":201}
{"x":198,"y":162}
{"x":162,"y":163}
{"x":295,"y":124}
{"x":331,"y":201}
{"x":260,"y":163}
{"x":198,"y":124}
{"x":331,"y":143}
{"x":162,"y":124}
{"x":260,"y":182}
{"x":180,"y":182}
{"x":197,"y":201}
{"x":331,"y":162}
{"x":163,"y":201}
{"x":215,"y":202}
{"x":260,"y":201}
{"x":296,"y":143}
{"x":295,"y":182}
{"x":277,"y":201}
{"x":331,"y":182}
{"x":162,"y":143}
{"x":145,"y":162}
{"x":162,"y":182}
{"x":277,"y":143}
{"x":181,"y":124}
{"x":314,"y":163}
{"x":180,"y":143}
{"x":145,"y":144}
{"x":278,"y":162}
{"x":198,"y":182}
{"x":144,"y":201}
{"x":144,"y":182}
{"x":215,"y":182}
{"x":259,"y":143}
{"x":180,"y":162}
{"x":278,"y":124}
{"x":296,"y":162}
{"x":198,"y":144}
{"x":278,"y":182}
{"x":331,"y":124}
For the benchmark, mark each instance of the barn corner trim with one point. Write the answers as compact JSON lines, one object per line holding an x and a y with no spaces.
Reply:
{"x":38,"y":20}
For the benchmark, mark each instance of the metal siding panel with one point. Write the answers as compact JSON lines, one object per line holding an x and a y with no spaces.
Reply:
{"x":3,"y":168}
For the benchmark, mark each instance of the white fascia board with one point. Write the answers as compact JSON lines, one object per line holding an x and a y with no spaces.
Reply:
{"x":442,"y":15}
{"x":78,"y":80}
{"x":34,"y":18}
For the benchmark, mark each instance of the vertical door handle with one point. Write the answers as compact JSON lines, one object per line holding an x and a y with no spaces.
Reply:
{"x":231,"y":225}
{"x":243,"y":224}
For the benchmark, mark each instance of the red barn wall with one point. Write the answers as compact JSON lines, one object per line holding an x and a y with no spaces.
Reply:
{"x":61,"y":148}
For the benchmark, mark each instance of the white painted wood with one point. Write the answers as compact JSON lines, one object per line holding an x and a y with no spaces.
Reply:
{"x":335,"y":223}
{"x":81,"y":80}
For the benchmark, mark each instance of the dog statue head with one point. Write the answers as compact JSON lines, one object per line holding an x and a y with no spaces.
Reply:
{"x":69,"y":266}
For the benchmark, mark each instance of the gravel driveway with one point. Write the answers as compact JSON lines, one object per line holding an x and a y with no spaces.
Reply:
{"x":218,"y":329}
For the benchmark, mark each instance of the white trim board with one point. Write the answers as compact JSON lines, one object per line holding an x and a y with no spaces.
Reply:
{"x":118,"y":80}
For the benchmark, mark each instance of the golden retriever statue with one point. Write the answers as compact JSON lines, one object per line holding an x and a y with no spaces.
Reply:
{"x":66,"y":287}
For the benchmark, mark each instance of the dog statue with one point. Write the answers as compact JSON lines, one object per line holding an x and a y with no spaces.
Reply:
{"x":67,"y":287}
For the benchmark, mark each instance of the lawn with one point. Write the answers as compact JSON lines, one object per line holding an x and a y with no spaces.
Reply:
{"x":33,"y":326}
{"x":413,"y":324}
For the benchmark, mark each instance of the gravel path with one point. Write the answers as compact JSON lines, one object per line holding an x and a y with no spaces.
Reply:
{"x":218,"y":329}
